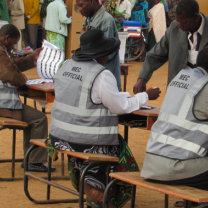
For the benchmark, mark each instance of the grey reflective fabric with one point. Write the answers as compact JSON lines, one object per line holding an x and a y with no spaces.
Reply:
{"x":177,"y":134}
{"x":74,"y":117}
{"x":9,"y":97}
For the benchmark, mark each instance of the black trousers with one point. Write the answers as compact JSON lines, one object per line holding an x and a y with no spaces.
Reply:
{"x":199,"y":181}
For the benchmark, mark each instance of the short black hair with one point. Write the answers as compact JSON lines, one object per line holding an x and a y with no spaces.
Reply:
{"x":202,"y":59}
{"x":188,"y":7}
{"x":10,"y":30}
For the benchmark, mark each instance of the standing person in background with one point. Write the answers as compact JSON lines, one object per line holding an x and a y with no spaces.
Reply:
{"x":172,"y":11}
{"x":124,"y":6}
{"x":43,"y":10}
{"x":140,"y":12}
{"x":168,"y":21}
{"x":157,"y":24}
{"x":4,"y":13}
{"x":97,"y":17}
{"x":151,"y":3}
{"x":16,"y":11}
{"x":32,"y":19}
{"x":56,"y":23}
{"x":110,"y":6}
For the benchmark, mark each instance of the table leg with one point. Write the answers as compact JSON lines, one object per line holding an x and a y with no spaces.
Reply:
{"x":126,"y":132}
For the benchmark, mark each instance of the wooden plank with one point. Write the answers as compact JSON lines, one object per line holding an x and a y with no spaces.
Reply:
{"x":148,"y":112}
{"x":184,"y":192}
{"x":85,"y":156}
{"x":45,"y":87}
{"x":11,"y":122}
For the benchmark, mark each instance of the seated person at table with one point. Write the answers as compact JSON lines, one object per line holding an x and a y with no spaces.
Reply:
{"x":177,"y":148}
{"x":11,"y":77}
{"x":84,"y":117}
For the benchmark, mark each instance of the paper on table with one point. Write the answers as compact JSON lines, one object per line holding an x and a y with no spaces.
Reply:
{"x":48,"y":63}
{"x":38,"y":81}
{"x":146,"y":107}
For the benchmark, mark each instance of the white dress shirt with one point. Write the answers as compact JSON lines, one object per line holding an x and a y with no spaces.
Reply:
{"x":194,"y":50}
{"x":105,"y":91}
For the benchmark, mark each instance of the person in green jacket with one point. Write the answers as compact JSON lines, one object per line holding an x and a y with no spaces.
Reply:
{"x":4,"y":13}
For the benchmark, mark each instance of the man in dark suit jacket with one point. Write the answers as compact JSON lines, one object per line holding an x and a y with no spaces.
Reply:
{"x":180,"y":44}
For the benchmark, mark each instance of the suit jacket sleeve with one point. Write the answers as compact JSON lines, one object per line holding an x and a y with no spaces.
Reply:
{"x":9,"y":71}
{"x":156,"y":57}
{"x":25,"y":63}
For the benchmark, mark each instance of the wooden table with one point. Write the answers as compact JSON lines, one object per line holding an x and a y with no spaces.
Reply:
{"x":142,"y":118}
{"x":45,"y":92}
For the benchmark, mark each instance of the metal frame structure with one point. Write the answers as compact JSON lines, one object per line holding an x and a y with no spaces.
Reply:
{"x":187,"y":204}
{"x":13,"y":160}
{"x":81,"y":199}
{"x":47,"y":181}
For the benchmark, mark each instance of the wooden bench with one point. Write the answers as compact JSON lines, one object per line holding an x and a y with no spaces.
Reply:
{"x":189,"y":194}
{"x":96,"y":159}
{"x":9,"y":123}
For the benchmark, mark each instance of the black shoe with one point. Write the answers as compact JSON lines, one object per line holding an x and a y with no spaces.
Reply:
{"x":98,"y":205}
{"x":39,"y":167}
{"x":203,"y":205}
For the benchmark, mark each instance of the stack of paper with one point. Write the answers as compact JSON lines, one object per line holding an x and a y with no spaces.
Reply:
{"x":48,"y":63}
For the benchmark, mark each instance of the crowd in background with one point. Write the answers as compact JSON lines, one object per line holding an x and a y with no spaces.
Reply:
{"x":38,"y":20}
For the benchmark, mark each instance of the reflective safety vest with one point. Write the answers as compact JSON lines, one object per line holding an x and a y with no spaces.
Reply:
{"x":9,"y":97}
{"x":177,"y":133}
{"x":74,"y":117}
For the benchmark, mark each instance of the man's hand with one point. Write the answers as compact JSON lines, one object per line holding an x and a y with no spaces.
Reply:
{"x":36,"y":53}
{"x":140,"y":86}
{"x":26,"y":20}
{"x":83,"y":30}
{"x":153,"y":93}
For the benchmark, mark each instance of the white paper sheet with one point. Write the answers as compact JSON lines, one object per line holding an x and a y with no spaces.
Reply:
{"x":38,"y":81}
{"x":48,"y":63}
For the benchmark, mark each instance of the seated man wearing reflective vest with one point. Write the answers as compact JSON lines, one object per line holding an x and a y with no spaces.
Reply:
{"x":11,"y":77}
{"x":84,"y":117}
{"x":177,"y":148}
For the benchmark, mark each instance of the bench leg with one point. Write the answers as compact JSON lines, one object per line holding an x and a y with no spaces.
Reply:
{"x":13,"y":160}
{"x":48,"y":182}
{"x":166,"y":201}
{"x":81,"y":184}
{"x":106,"y":193}
{"x":187,"y":204}
{"x":62,"y":164}
{"x":13,"y":152}
{"x":34,"y":103}
{"x":49,"y":178}
{"x":133,"y":196}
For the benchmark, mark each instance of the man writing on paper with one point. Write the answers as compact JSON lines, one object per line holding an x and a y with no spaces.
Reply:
{"x":11,"y":77}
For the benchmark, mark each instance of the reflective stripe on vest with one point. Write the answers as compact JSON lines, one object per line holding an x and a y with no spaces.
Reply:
{"x":74,"y":118}
{"x":178,"y":134}
{"x":9,"y":97}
